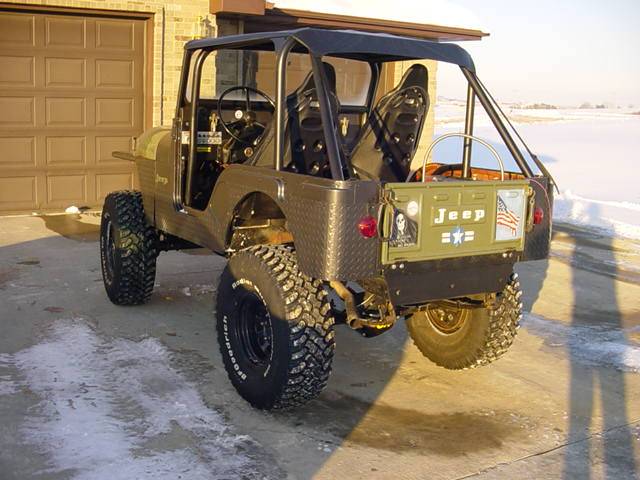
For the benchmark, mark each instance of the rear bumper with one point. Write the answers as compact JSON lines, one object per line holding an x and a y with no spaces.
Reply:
{"x":420,"y":282}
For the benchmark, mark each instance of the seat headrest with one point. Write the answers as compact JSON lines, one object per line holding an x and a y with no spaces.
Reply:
{"x":416,"y":76}
{"x":309,"y":84}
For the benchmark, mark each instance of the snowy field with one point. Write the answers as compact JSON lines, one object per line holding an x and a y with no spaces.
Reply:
{"x":592,"y":155}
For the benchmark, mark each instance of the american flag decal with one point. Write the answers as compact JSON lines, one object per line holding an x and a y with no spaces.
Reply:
{"x":506,"y":217}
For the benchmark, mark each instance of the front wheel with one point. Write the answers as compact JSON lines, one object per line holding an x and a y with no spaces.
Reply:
{"x":275,"y":328}
{"x":462,"y":336}
{"x":128,"y":249}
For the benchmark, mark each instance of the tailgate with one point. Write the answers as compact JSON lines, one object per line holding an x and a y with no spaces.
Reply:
{"x":436,"y":220}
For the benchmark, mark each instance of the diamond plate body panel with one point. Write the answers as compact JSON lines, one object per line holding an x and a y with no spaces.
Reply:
{"x":321,"y":214}
{"x":326,"y":234}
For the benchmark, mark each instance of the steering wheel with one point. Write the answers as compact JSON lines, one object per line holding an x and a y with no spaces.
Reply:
{"x":442,"y":169}
{"x":248,"y":115}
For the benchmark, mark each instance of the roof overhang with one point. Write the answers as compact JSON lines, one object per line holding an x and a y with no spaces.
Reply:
{"x":260,"y":15}
{"x":357,"y":45}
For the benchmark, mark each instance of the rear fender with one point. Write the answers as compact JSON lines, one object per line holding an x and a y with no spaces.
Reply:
{"x":321,"y":214}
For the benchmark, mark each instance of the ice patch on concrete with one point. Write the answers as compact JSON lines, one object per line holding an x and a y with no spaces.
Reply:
{"x":591,"y":345}
{"x":109,"y":406}
{"x":7,"y":385}
{"x":204,"y":289}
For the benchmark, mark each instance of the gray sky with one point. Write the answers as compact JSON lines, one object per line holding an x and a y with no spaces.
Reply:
{"x":563,"y":52}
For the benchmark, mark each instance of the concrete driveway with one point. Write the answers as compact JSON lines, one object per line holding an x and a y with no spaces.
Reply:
{"x":89,"y":390}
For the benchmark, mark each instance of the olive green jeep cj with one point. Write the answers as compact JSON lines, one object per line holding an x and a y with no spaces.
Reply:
{"x":286,"y":157}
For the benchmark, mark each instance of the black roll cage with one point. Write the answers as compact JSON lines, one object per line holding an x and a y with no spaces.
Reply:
{"x":376,"y":49}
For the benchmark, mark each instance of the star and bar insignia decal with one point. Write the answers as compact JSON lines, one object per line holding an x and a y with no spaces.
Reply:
{"x":458,"y":236}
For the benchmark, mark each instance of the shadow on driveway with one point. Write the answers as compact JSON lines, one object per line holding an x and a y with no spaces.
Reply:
{"x":588,"y":382}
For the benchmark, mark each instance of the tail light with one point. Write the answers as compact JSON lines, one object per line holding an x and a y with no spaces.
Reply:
{"x":368,"y":226}
{"x":538,"y":216}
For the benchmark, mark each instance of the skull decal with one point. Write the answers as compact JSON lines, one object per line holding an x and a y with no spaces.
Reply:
{"x":401,"y":223}
{"x":404,"y":230}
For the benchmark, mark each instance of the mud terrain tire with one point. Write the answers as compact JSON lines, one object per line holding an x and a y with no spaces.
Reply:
{"x":477,"y":337}
{"x":128,"y":249}
{"x":275,"y":328}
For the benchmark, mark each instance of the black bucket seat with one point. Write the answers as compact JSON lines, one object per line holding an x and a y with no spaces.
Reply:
{"x":305,"y":144}
{"x":390,"y":137}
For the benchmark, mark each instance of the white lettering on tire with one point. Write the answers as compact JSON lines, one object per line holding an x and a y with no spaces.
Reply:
{"x":236,"y":367}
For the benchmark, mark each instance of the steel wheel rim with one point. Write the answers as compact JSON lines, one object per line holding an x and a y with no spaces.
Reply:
{"x":110,"y":249}
{"x":445,"y":318}
{"x":255,"y":332}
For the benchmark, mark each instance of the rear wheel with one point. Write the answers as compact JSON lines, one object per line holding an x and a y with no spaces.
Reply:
{"x":458,"y":336}
{"x":128,"y":249}
{"x":275,"y":328}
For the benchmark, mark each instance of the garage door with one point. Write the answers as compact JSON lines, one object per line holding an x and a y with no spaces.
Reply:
{"x":71,"y":92}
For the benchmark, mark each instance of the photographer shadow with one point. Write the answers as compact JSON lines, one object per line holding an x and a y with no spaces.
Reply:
{"x":597,"y":311}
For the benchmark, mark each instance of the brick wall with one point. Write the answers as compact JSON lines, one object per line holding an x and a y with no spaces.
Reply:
{"x":176,"y":22}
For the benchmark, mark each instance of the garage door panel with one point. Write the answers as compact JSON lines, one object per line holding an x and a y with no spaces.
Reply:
{"x":17,"y":152}
{"x":68,"y":112}
{"x":16,"y":71}
{"x":17,"y":29}
{"x":66,"y":151}
{"x":114,"y":112}
{"x":66,"y":189}
{"x":65,"y":32}
{"x":71,"y":93}
{"x":114,"y":35}
{"x":114,"y":73}
{"x":17,"y":111}
{"x":18,"y":191}
{"x":110,"y":182}
{"x":65,"y":72}
{"x":105,"y":146}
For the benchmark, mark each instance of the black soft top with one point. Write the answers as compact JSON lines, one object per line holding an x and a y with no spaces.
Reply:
{"x":364,"y":46}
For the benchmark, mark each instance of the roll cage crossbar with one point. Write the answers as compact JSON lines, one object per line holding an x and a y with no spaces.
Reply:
{"x":373,"y":48}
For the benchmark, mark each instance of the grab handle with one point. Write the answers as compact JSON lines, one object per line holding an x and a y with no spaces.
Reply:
{"x":463,"y":135}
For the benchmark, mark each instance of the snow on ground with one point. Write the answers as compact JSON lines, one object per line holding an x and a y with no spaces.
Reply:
{"x":106,"y":403}
{"x":592,"y":345}
{"x":592,"y":154}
